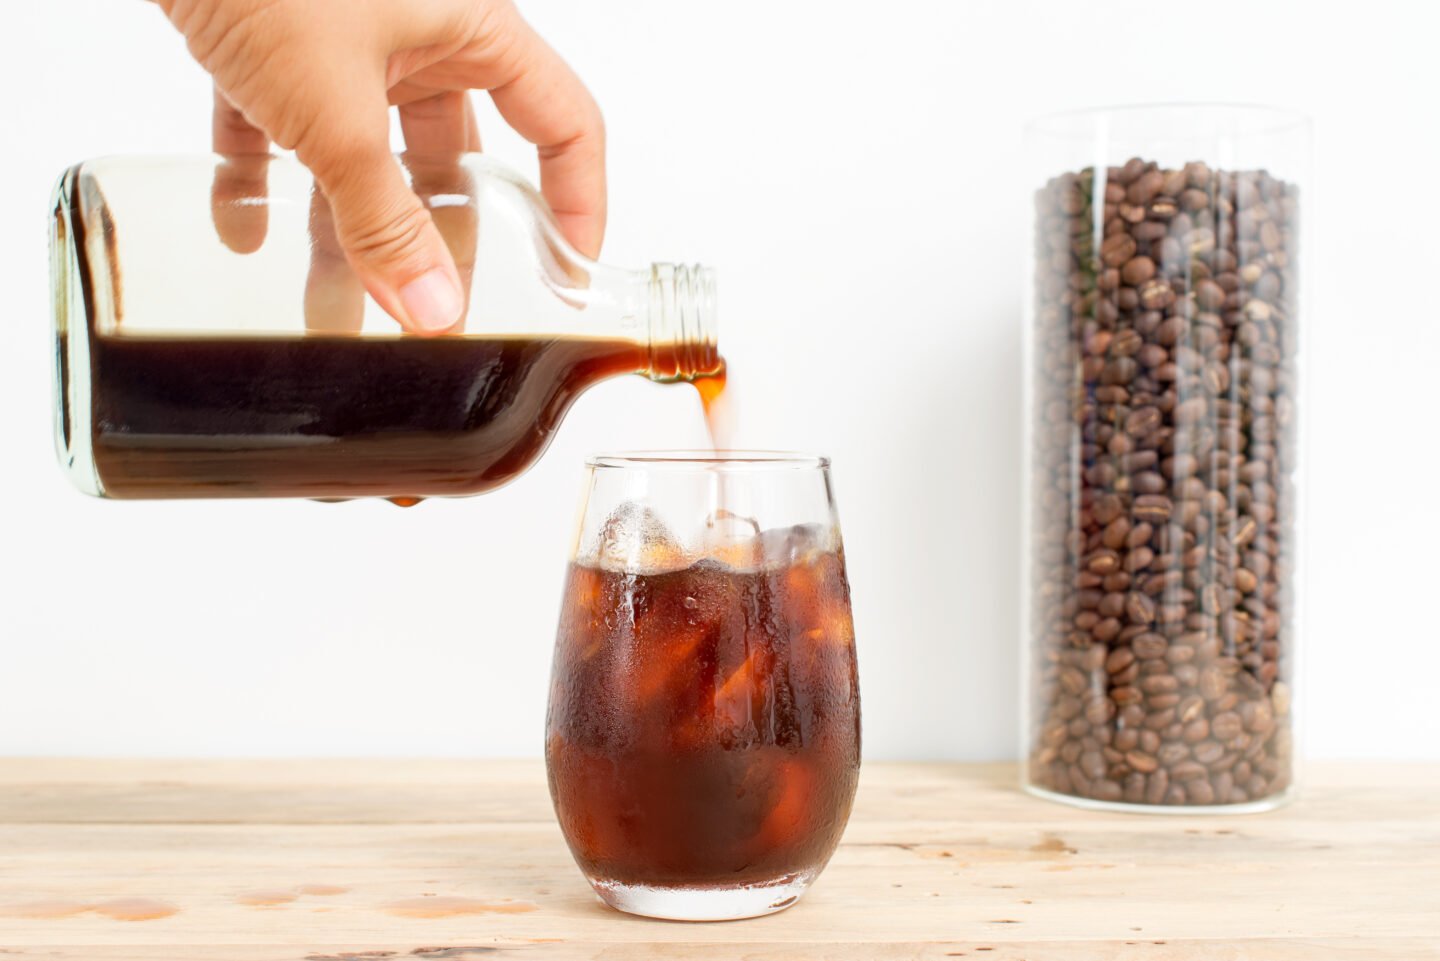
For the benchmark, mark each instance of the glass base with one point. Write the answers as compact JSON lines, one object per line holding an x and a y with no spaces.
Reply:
{"x":703,"y":904}
{"x":1090,"y":804}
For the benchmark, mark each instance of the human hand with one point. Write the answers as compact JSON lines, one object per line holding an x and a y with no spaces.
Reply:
{"x":318,"y":78}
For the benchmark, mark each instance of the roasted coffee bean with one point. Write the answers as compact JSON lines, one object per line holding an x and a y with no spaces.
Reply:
{"x":1119,"y":659}
{"x":1169,"y":332}
{"x":1187,"y":771}
{"x":1140,"y":761}
{"x":1156,"y":787}
{"x":1149,"y":647}
{"x":1156,"y":294}
{"x":1226,"y":726}
{"x":1106,"y":630}
{"x":1137,"y":270}
{"x":1209,"y":294}
{"x":1126,"y":343}
{"x":1139,"y":609}
{"x":1153,"y":508}
{"x":1106,"y":790}
{"x":1143,"y":420}
{"x":1138,"y":534}
{"x":1116,"y":533}
{"x":1165,"y":438}
{"x":1199,"y":791}
{"x":1145,"y":187}
{"x":1117,"y":249}
{"x":1190,"y":707}
{"x":1099,"y":710}
{"x":1172,"y":753}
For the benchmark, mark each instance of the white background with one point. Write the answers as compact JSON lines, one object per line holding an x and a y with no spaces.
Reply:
{"x":851,"y":171}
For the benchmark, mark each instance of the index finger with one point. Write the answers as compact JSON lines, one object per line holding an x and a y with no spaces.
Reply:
{"x":548,"y":105}
{"x":238,"y":194}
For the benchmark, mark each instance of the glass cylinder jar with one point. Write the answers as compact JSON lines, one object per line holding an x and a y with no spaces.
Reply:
{"x":1163,"y":305}
{"x":211,"y":339}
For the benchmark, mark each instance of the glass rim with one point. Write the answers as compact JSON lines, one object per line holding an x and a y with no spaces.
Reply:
{"x":1284,"y":118}
{"x":707,"y":460}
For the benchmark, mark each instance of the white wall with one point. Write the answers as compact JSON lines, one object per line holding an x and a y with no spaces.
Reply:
{"x":851,"y":173}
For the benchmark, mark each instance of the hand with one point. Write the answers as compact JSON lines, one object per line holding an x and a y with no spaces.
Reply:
{"x":318,"y":76}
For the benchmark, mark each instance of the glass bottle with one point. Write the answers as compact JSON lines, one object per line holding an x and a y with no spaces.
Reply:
{"x":1161,"y":599}
{"x":212,"y":341}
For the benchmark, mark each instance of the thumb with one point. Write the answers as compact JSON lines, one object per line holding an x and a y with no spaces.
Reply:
{"x":387,"y":234}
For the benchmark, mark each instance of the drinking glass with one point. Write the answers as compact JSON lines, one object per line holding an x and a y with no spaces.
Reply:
{"x":703,"y":737}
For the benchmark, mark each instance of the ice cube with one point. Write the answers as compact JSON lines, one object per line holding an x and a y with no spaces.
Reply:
{"x":800,"y":543}
{"x":635,"y":540}
{"x":732,"y":539}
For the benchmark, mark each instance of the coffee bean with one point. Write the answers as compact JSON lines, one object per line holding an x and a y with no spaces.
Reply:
{"x":1152,"y":355}
{"x":1118,"y":660}
{"x":1194,"y":199}
{"x":1103,"y":562}
{"x":1149,"y":647}
{"x":1187,"y":771}
{"x":1137,"y":270}
{"x":1131,"y":214}
{"x":1126,"y":343}
{"x":1139,"y":609}
{"x":1226,"y":726}
{"x":1156,"y":294}
{"x":1159,"y":684}
{"x":1209,"y":294}
{"x":1106,"y":790}
{"x":1099,"y":710}
{"x":1199,"y":792}
{"x":1148,"y":482}
{"x":1156,"y":787}
{"x":1138,"y":559}
{"x":1144,"y":763}
{"x":1143,"y":420}
{"x":1191,"y":410}
{"x":1191,"y":707}
{"x":1138,"y":535}
{"x":1145,"y":187}
{"x":1153,"y":508}
{"x":1116,"y":534}
{"x":1117,"y":249}
{"x":1164,"y":427}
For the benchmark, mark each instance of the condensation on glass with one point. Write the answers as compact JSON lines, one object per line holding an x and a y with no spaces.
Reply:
{"x":1164,"y":310}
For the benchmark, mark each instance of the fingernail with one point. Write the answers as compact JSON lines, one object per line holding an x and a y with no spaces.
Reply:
{"x":433,"y":300}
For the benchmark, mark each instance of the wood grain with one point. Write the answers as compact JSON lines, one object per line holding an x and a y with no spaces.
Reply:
{"x":343,"y":861}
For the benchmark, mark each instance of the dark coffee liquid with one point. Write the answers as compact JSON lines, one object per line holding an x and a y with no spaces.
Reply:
{"x":333,"y":416}
{"x":704,"y":724}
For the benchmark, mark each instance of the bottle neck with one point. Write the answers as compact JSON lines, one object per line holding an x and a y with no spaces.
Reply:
{"x":682,"y":322}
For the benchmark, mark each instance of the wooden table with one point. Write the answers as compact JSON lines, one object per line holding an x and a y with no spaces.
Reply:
{"x":461,"y":860}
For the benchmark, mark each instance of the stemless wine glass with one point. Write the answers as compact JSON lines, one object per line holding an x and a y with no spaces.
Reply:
{"x":703,"y":737}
